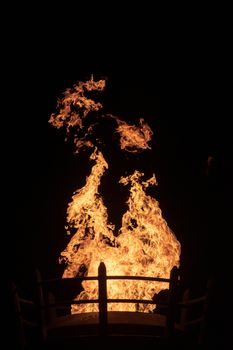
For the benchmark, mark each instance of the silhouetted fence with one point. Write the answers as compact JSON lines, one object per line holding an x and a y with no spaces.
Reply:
{"x":103,"y":299}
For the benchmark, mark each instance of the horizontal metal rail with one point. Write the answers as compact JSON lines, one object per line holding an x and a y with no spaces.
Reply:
{"x":96,"y":278}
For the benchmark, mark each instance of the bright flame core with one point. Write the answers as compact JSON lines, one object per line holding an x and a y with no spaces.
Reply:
{"x":144,"y":245}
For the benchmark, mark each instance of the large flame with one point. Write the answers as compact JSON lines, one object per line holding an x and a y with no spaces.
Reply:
{"x":144,"y":245}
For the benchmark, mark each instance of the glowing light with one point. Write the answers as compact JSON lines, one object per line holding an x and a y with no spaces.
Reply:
{"x":143,"y":246}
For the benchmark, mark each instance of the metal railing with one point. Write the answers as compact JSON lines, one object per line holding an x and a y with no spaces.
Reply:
{"x":103,"y":299}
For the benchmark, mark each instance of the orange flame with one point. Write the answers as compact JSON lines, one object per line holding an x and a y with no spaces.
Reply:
{"x":133,"y":138}
{"x":74,"y":107}
{"x":144,"y":245}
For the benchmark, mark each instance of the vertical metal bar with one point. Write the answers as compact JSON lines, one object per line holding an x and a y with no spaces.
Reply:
{"x":171,"y":302}
{"x":17,"y":309}
{"x":40,"y":307}
{"x":103,"y":308}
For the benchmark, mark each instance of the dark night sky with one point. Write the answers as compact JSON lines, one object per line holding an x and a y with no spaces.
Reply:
{"x":180,"y":88}
{"x":177,"y":77}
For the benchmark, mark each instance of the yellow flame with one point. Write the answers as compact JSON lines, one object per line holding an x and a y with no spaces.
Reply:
{"x":144,"y":245}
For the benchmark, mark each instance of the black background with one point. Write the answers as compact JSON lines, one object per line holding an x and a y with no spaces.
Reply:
{"x":179,"y":81}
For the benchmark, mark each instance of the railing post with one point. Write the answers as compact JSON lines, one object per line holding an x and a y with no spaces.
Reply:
{"x":40,"y":307}
{"x":171,"y":302}
{"x":17,"y":309}
{"x":103,"y":308}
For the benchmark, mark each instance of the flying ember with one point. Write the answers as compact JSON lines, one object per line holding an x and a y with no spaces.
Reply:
{"x":144,"y":245}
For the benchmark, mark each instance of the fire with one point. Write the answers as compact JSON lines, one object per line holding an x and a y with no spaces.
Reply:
{"x":133,"y":138}
{"x":144,"y":245}
{"x":74,"y":108}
